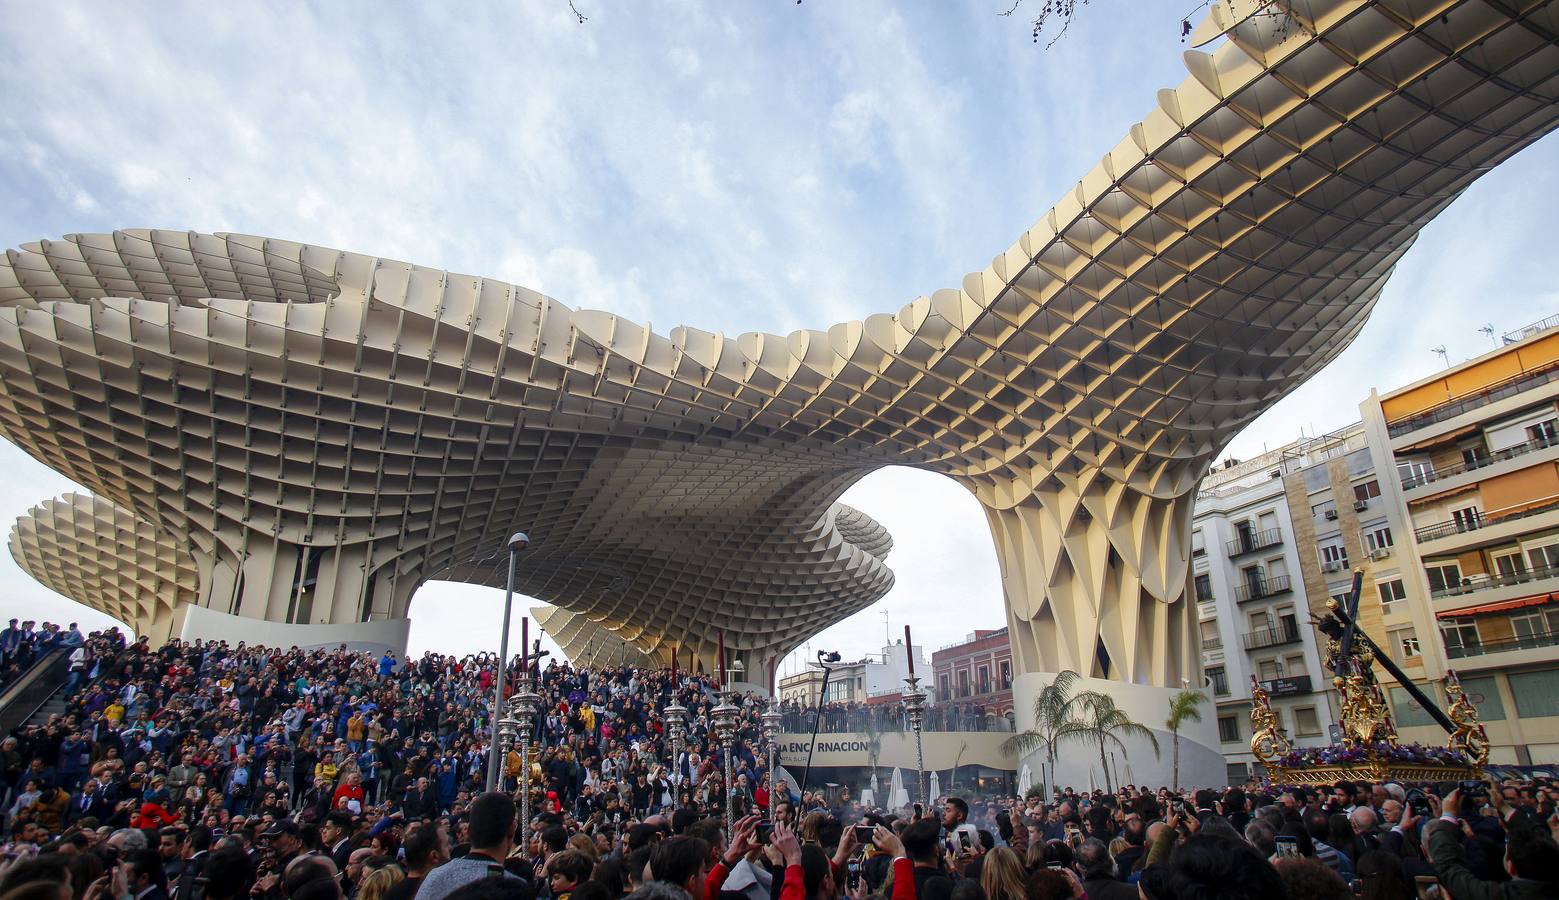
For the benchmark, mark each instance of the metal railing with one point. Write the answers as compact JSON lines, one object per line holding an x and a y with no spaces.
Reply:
{"x":1477,"y":521}
{"x":1256,"y":540}
{"x":1481,"y":462}
{"x":1475,"y":583}
{"x":1214,"y":643}
{"x":33,"y":689}
{"x":1271,"y":637}
{"x":1454,"y":407}
{"x":1483,"y":648}
{"x":1526,"y":331}
{"x":1269,"y":586}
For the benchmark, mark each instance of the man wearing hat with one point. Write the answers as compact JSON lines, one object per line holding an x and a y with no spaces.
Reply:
{"x":285,"y":841}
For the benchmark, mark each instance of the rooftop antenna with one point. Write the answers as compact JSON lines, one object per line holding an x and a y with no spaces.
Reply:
{"x":887,"y":632}
{"x":1488,"y":329}
{"x":1444,"y":356}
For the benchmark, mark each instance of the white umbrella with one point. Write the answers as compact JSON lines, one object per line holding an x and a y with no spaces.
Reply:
{"x":874,"y":781}
{"x":898,"y":798}
{"x":869,"y":798}
{"x":1025,"y":780}
{"x":936,"y":786}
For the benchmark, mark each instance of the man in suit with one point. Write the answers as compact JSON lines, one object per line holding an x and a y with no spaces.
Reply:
{"x":336,"y":833}
{"x":143,"y":873}
{"x":88,"y":803}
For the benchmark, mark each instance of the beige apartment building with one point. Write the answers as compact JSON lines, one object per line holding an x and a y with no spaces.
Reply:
{"x":1474,"y":508}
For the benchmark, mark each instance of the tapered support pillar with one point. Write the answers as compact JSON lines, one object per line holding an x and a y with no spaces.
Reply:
{"x":1095,"y":575}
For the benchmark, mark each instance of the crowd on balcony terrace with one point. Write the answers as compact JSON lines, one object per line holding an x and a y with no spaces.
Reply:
{"x":209,"y":772}
{"x":853,"y":717}
{"x":24,"y":642}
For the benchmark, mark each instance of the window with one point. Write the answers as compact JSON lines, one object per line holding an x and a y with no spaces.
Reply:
{"x":1543,"y":432}
{"x":963,"y":682}
{"x":1391,"y":592}
{"x":1269,"y":669}
{"x":1414,"y":472}
{"x":1334,"y":557}
{"x":1466,"y":518}
{"x":1483,"y":691}
{"x":1321,"y":509}
{"x":1204,"y":587}
{"x":1228,"y":729}
{"x":1443,"y":576}
{"x":1210,"y":638}
{"x":1005,"y":667}
{"x":1218,"y":680}
{"x":1460,"y":634}
{"x":1403,"y":643}
{"x":1198,"y":548}
{"x":983,"y":679}
{"x":1544,"y":558}
{"x":1536,"y":693}
{"x":1369,"y":490}
{"x":1508,"y":562}
{"x":1408,"y":713}
{"x":1379,"y":538}
{"x":943,"y":688}
{"x":1306,"y":722}
{"x":1528,"y":625}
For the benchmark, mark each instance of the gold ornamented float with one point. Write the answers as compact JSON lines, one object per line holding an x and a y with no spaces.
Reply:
{"x":1368,"y":749}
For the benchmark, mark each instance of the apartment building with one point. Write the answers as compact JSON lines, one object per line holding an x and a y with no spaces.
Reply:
{"x":1474,"y":504}
{"x":978,"y":670}
{"x":1249,"y":579}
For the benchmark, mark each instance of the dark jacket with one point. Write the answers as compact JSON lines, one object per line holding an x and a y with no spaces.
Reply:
{"x":1459,"y":881}
{"x":1105,"y":887}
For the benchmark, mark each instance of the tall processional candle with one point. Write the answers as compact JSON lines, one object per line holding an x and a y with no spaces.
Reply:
{"x":524,"y":648}
{"x":721,"y":661}
{"x":909,"y":651}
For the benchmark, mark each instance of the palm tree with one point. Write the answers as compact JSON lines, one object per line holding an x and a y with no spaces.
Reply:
{"x":1102,"y":721}
{"x":1054,"y":712}
{"x":1183,"y":707}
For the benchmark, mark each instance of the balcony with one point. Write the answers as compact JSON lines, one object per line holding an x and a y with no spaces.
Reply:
{"x":1462,"y":526}
{"x":1253,"y":541}
{"x":1213,"y":643}
{"x":1272,"y":637}
{"x":1256,"y":589}
{"x":1481,"y":462}
{"x":1510,"y":387}
{"x":1529,"y":642}
{"x":1472,"y":584}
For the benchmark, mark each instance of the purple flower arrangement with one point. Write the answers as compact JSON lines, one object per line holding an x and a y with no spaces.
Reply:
{"x":1349,"y":754}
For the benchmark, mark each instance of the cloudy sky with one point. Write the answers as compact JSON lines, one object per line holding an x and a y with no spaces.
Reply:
{"x":734,"y":166}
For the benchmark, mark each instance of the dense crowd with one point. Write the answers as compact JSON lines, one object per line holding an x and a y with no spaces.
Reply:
{"x":23,"y":643}
{"x":207,"y":772}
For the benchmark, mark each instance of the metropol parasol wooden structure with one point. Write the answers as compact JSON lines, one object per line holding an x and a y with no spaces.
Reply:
{"x":294,"y":434}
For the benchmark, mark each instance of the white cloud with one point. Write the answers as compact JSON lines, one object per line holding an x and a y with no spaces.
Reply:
{"x":752,"y":168}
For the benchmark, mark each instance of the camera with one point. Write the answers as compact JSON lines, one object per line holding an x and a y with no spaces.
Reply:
{"x":863,"y":834}
{"x":765,"y":832}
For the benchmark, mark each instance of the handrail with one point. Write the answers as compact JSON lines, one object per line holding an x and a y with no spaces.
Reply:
{"x":1258,"y":540}
{"x":1526,"y":331}
{"x":1269,"y":586}
{"x":1481,"y":462}
{"x":1459,"y":526}
{"x":1475,"y":583}
{"x":30,"y":692}
{"x":1461,"y":403}
{"x":1271,"y":637}
{"x":1530,"y":642}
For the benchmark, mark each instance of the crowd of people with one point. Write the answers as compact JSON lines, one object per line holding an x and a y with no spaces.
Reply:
{"x":208,"y":772}
{"x":24,"y":642}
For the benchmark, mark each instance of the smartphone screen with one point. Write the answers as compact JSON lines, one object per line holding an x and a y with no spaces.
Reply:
{"x":1287,"y":847}
{"x":1427,"y":886}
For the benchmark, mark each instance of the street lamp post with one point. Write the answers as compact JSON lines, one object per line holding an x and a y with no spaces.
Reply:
{"x":517,"y":542}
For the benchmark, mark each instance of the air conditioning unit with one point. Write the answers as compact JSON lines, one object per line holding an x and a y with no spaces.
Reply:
{"x":1331,"y":567}
{"x":1360,"y":505}
{"x":1380,"y":553}
{"x":1331,"y":515}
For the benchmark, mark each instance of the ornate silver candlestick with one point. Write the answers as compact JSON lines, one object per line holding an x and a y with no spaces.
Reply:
{"x":772,"y":719}
{"x":676,"y":732}
{"x":725,"y":718}
{"x":524,"y":704}
{"x":915,"y":706}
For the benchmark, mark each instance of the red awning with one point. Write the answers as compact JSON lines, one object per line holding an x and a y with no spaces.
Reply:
{"x":1502,"y":606}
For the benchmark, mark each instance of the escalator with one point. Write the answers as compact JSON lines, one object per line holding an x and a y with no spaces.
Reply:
{"x":36,"y":691}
